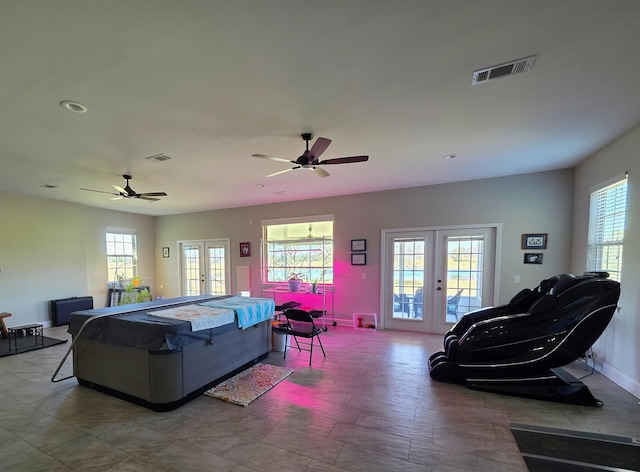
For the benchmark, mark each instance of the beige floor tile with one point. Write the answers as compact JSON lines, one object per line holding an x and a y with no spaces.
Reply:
{"x":369,"y":406}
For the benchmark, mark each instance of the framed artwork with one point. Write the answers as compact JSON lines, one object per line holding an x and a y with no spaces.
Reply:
{"x":245,"y":249}
{"x":358,"y":245}
{"x":533,"y":258}
{"x":534,"y":241}
{"x":358,"y":259}
{"x":165,"y":252}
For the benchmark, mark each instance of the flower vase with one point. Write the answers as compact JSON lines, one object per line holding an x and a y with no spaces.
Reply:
{"x":294,"y":285}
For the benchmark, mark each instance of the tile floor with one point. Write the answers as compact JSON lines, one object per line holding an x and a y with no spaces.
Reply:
{"x":369,"y":406}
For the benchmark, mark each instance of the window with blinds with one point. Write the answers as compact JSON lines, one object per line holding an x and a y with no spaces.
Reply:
{"x":606,"y":228}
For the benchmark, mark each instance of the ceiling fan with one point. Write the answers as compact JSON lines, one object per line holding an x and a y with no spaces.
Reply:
{"x":128,"y":192}
{"x":309,"y":159}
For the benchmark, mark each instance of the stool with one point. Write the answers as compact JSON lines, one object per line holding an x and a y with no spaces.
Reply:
{"x":34,"y":329}
{"x":3,"y":327}
{"x":362,"y":316}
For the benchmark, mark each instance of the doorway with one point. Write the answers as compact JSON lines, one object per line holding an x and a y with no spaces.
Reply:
{"x":205,"y":267}
{"x":432,"y":277}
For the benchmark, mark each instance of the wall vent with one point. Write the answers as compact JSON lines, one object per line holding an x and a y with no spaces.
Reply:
{"x":158,"y":158}
{"x":502,"y":70}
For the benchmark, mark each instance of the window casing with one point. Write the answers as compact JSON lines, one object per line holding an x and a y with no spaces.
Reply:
{"x":607,"y":217}
{"x":122,"y":258}
{"x":304,"y":248}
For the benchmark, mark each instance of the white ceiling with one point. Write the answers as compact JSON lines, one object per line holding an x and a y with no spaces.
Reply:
{"x":210,"y":83}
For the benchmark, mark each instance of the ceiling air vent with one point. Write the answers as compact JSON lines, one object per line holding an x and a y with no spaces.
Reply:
{"x":158,"y":158}
{"x":510,"y":68}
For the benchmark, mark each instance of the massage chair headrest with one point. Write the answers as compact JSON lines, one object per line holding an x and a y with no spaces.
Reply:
{"x":557,"y":284}
{"x":551,"y":288}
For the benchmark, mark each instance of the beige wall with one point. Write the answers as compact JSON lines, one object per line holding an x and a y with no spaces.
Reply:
{"x":618,"y":350}
{"x":532,"y":203}
{"x":51,"y":249}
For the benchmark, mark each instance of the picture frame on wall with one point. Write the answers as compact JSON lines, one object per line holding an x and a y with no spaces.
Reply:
{"x":533,"y":258}
{"x":358,"y":259}
{"x":245,"y":249}
{"x":358,"y":245}
{"x":534,"y":241}
{"x":165,"y":252}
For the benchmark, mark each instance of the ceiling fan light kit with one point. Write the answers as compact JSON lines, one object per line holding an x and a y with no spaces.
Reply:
{"x":309,"y":159}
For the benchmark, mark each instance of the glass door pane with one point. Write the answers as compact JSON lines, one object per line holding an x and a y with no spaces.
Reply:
{"x":408,"y":277}
{"x":191,"y":269}
{"x":217,"y":269}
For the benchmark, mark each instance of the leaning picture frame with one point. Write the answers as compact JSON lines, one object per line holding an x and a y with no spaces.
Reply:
{"x":358,"y":259}
{"x":534,"y":241}
{"x":358,"y":245}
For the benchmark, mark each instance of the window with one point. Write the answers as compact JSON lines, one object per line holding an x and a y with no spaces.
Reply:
{"x":297,"y":246}
{"x":606,"y":228}
{"x":121,"y":254}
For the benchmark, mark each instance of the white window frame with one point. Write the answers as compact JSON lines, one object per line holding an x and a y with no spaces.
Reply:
{"x":607,"y":220}
{"x":298,"y":251}
{"x":122,"y":253}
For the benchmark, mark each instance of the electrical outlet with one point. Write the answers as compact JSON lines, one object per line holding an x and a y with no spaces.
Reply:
{"x":364,"y":276}
{"x":516,"y":279}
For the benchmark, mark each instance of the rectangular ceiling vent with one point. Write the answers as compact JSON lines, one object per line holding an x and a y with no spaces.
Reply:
{"x":503,"y":70}
{"x":158,"y":158}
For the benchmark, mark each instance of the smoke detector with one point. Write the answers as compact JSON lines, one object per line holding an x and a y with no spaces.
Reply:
{"x":502,"y":70}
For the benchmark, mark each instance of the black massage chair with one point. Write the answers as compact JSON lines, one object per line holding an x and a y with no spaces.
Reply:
{"x":518,"y":348}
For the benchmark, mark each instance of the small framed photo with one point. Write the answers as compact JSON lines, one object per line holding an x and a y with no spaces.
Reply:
{"x":358,"y":259}
{"x":533,"y":258}
{"x":534,"y":241}
{"x":245,"y":249}
{"x":358,"y":245}
{"x":165,"y":252}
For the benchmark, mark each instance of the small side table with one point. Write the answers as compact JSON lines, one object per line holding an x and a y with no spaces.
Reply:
{"x":34,"y":330}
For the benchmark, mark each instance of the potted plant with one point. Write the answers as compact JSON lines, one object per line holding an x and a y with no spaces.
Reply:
{"x":294,"y":281}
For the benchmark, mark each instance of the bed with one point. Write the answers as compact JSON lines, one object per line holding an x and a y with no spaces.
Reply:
{"x":166,"y":359}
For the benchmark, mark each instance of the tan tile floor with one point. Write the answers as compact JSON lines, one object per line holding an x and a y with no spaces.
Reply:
{"x":369,"y":406}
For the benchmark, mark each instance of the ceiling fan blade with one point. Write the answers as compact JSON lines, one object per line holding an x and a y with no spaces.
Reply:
{"x":151,"y":199}
{"x":345,"y":160}
{"x":119,"y":189}
{"x":119,"y":197}
{"x":319,"y":172}
{"x":152,"y":194}
{"x":283,"y":171}
{"x":273,"y":158}
{"x":99,"y":191}
{"x":319,"y":147}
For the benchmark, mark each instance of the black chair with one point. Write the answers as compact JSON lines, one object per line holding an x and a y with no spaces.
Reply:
{"x":401,"y":303}
{"x":452,"y":304}
{"x":300,"y":325}
{"x":417,"y":304}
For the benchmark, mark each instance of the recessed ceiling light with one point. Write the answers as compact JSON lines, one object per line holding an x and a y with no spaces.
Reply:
{"x":75,"y":107}
{"x":449,"y":156}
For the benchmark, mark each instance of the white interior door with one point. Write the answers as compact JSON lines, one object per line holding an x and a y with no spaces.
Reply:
{"x":432,"y":277}
{"x":205,"y":267}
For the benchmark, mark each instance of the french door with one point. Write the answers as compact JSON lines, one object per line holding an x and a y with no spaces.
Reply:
{"x":205,"y":267}
{"x":432,"y":277}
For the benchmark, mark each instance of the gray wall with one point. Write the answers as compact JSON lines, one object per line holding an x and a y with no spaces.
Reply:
{"x":532,"y":203}
{"x":617,"y":352}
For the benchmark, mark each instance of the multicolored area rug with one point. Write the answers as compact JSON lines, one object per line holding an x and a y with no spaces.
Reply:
{"x":249,"y":384}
